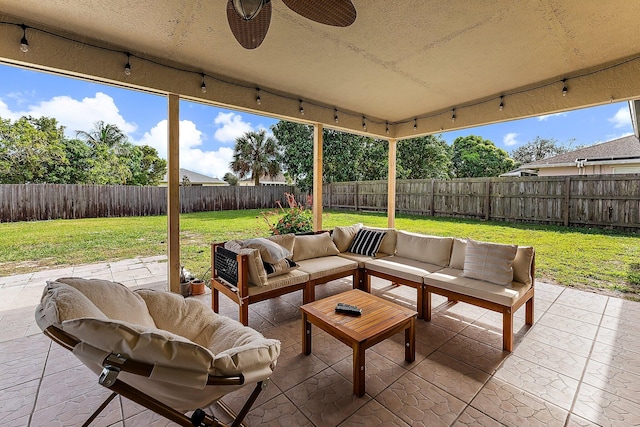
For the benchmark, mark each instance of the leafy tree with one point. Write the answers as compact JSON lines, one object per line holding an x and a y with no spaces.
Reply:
{"x":374,"y":164}
{"x":29,"y":149}
{"x":538,"y":149}
{"x":256,"y":154}
{"x":473,"y":156}
{"x":230,"y":178}
{"x":424,"y":157}
{"x":346,"y":157}
{"x":342,"y":155}
{"x":148,"y":168}
{"x":296,"y":142}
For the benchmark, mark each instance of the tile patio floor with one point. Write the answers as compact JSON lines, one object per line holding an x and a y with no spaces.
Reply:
{"x":578,"y":365}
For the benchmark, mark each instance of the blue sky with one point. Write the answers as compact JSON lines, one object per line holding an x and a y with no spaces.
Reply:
{"x":207,"y":134}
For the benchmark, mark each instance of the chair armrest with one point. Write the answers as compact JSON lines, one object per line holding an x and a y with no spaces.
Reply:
{"x":231,"y":267}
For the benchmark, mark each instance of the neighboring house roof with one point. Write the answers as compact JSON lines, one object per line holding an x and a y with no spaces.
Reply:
{"x":195,"y":177}
{"x":266,"y":179}
{"x":625,"y":148}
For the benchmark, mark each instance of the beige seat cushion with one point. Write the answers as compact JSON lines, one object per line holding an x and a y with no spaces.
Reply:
{"x":317,"y":268}
{"x":294,"y":277}
{"x":405,"y":268}
{"x":452,"y":280}
{"x":314,"y":246}
{"x":343,"y":236}
{"x":429,"y":249}
{"x":361,"y":259}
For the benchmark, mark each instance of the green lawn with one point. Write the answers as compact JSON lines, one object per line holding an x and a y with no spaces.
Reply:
{"x":574,"y":257}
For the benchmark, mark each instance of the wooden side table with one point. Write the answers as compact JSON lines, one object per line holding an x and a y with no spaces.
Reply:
{"x":380,"y":320}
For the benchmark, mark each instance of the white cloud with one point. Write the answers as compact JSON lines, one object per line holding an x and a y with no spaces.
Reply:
{"x":612,"y":136}
{"x":510,"y":139}
{"x":75,"y":115}
{"x":621,"y":119}
{"x":6,"y":113}
{"x":547,"y":116}
{"x":211,"y":163}
{"x":232,"y":127}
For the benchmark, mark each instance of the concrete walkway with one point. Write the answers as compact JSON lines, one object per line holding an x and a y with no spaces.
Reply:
{"x":20,"y":294}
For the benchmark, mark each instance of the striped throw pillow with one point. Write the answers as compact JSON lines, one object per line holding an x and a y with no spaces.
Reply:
{"x":491,"y":262}
{"x":367,"y":242}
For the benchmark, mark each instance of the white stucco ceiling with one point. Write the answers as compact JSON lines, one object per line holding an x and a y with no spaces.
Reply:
{"x":400,"y":60}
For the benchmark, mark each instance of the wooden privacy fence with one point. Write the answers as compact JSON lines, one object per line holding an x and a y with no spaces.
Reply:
{"x":30,"y":202}
{"x":600,"y":200}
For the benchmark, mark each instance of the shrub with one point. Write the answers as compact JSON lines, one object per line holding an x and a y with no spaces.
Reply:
{"x":295,"y":219}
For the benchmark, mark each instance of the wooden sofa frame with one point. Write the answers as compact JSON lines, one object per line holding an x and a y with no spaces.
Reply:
{"x":506,"y":310}
{"x":236,"y":286}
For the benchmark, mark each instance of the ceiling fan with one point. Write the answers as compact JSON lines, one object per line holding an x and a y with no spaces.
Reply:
{"x":249,"y":19}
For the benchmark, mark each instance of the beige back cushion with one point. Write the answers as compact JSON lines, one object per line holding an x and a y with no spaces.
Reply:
{"x":388,"y":245}
{"x":343,"y":236}
{"x":257,"y":275}
{"x":429,"y":249}
{"x":491,"y":262}
{"x":458,"y":250}
{"x":285,"y":240}
{"x":522,"y":264}
{"x":113,"y":299}
{"x":314,"y":246}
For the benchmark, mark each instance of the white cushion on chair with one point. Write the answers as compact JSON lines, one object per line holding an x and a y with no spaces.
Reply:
{"x":113,"y":299}
{"x":189,"y":343}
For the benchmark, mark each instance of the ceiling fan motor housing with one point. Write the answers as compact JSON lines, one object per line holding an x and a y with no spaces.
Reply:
{"x":248,"y":9}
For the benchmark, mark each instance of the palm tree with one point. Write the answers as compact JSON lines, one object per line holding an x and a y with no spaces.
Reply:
{"x":256,"y":154}
{"x":103,"y":133}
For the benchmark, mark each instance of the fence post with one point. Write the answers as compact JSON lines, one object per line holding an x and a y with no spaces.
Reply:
{"x":356,"y":198}
{"x":433,"y":186}
{"x":567,"y":195}
{"x":487,"y":200}
{"x":329,"y":195}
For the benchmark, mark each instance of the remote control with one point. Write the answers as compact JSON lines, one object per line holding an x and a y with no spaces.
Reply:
{"x":341,"y":304}
{"x":349,"y":310}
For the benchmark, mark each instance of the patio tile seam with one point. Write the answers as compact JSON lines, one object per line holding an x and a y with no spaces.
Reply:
{"x":584,"y":369}
{"x":44,"y":367}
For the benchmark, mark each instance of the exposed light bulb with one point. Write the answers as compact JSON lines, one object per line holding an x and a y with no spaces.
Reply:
{"x":335,"y":115}
{"x":387,"y":128}
{"x":301,"y":109}
{"x":127,"y":68}
{"x":258,"y":100}
{"x":501,"y":106}
{"x":564,"y":87}
{"x":453,"y":115}
{"x":24,"y":43}
{"x":415,"y":124}
{"x":364,"y":123}
{"x":203,"y":86}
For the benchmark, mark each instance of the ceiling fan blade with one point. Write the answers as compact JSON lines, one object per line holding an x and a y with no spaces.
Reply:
{"x":249,"y":34}
{"x":339,"y":13}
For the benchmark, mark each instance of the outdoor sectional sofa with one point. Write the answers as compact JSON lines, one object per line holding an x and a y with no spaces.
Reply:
{"x":494,"y":276}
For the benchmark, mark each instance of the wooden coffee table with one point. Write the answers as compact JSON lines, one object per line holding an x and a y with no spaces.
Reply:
{"x":380,"y":320}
